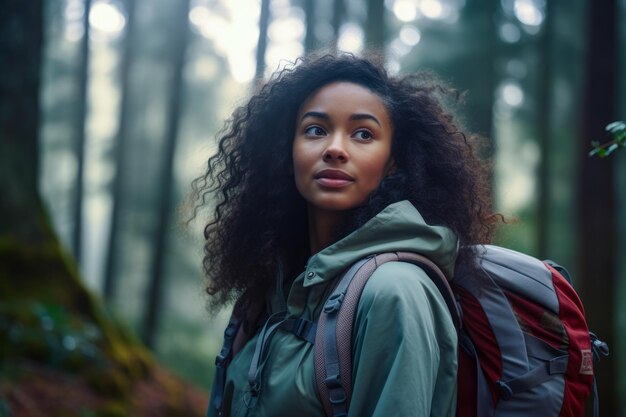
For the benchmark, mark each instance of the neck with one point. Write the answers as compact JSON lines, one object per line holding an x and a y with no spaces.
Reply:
{"x":323,"y":227}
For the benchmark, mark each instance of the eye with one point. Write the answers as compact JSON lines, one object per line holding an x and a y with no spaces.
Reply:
{"x":363,"y":134}
{"x":314,"y":131}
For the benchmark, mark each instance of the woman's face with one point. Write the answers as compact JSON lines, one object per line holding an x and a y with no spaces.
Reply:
{"x":342,"y":146}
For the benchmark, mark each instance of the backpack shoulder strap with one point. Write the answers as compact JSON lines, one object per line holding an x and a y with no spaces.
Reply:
{"x":235,"y":337}
{"x":333,"y":342}
{"x":440,"y":281}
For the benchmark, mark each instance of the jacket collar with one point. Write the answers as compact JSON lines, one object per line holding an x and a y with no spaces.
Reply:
{"x":399,"y":227}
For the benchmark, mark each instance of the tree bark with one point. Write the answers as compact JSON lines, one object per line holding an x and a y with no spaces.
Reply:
{"x":596,"y":221}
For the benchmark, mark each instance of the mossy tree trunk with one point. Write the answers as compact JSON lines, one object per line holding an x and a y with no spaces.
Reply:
{"x":33,"y":266}
{"x":60,"y":352}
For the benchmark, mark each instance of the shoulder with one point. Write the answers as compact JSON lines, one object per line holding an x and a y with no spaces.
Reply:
{"x":400,"y":282}
{"x":401,"y":292}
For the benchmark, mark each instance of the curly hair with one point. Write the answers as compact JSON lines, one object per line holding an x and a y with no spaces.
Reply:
{"x":260,"y":220}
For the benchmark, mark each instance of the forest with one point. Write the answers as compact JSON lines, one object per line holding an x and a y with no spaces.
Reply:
{"x":109,"y":109}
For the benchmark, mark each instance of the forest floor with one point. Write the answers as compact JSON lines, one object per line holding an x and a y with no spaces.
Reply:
{"x":39,"y":390}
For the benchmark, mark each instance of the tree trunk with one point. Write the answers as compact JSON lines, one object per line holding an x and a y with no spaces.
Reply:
{"x":375,"y":27}
{"x":80,"y":135}
{"x":121,"y":146}
{"x":55,"y":336}
{"x":33,"y":268}
{"x":596,"y":200}
{"x":22,"y":35}
{"x":544,"y":110}
{"x":157,"y":271}
{"x":337,"y":20}
{"x":262,"y":43}
{"x":310,"y":39}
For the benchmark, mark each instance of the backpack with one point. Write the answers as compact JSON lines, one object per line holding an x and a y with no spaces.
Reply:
{"x":524,"y":345}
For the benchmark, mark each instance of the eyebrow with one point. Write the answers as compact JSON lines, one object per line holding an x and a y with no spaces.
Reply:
{"x":356,"y":116}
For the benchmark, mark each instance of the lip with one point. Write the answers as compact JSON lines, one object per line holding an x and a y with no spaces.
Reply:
{"x":333,"y":178}
{"x":335,"y":174}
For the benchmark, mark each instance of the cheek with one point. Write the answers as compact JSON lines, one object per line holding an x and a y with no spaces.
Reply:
{"x":300,"y":165}
{"x":378,"y":168}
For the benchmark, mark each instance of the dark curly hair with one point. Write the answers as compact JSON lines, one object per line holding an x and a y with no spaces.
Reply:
{"x":260,"y":220}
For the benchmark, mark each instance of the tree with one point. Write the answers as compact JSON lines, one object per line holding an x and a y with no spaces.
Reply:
{"x":157,"y":271}
{"x":55,"y":336}
{"x":121,"y":146}
{"x":375,"y":27}
{"x":463,"y":54}
{"x":337,"y":20}
{"x":262,"y":43}
{"x":543,"y":113}
{"x":20,"y":31}
{"x":80,"y":134}
{"x":310,"y":40}
{"x":596,"y":218}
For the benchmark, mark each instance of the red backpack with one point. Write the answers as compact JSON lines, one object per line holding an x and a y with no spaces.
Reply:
{"x":524,"y":346}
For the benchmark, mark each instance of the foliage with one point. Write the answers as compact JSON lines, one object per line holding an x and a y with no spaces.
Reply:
{"x":618,"y":132}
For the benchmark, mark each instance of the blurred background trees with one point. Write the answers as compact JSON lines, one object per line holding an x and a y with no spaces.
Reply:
{"x":131,"y":94}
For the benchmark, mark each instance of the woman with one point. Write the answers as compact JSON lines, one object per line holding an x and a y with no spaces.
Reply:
{"x":331,"y":161}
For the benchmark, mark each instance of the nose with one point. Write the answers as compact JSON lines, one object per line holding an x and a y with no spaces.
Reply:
{"x":335,"y":151}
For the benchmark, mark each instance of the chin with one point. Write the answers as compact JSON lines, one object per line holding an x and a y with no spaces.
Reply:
{"x":335,"y":205}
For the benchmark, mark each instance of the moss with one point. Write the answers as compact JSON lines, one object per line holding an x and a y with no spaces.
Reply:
{"x":112,"y":382}
{"x":57,"y":337}
{"x":113,"y":409}
{"x":45,"y":275}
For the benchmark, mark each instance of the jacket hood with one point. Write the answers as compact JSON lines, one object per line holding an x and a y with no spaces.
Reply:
{"x":399,"y":227}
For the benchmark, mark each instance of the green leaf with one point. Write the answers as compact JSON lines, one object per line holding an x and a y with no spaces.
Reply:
{"x":616,"y":126}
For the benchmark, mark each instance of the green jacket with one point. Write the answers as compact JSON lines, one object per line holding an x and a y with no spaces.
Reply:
{"x":404,"y":342}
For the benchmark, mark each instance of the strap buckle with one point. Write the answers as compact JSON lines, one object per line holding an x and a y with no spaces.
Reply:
{"x":333,"y":304}
{"x":505,"y":391}
{"x":300,"y":327}
{"x":220,"y":359}
{"x":231,"y":330}
{"x":600,"y":348}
